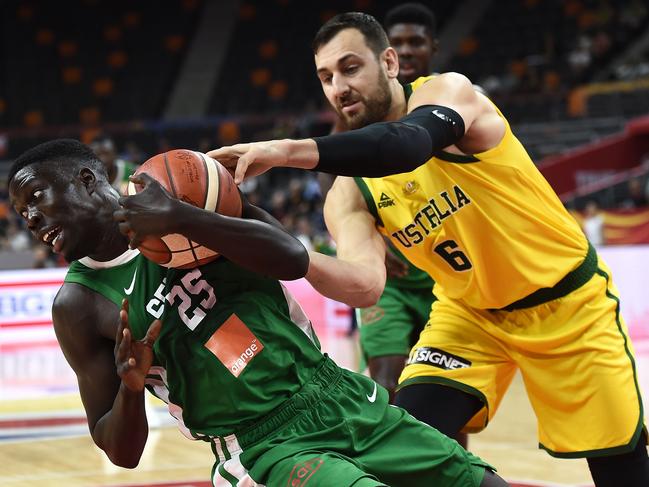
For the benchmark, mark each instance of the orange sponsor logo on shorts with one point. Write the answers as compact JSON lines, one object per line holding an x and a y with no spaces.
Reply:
{"x":303,"y":471}
{"x":371,"y":315}
{"x":234,"y":345}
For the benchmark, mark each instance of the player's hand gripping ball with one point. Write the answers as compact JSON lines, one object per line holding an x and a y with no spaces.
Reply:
{"x":195,"y":179}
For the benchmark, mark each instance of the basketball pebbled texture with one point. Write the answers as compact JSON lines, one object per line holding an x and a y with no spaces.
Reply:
{"x":195,"y":179}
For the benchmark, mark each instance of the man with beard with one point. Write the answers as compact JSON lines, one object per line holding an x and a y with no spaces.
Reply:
{"x":234,"y":356}
{"x":517,"y":282}
{"x":389,"y":329}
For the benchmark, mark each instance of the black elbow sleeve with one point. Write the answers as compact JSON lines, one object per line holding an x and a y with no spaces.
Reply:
{"x":388,"y":148}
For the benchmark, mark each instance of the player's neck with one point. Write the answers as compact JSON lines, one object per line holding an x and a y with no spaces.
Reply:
{"x":112,"y":245}
{"x":399,"y":107}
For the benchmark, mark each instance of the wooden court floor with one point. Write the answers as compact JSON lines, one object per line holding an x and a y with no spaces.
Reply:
{"x":509,"y":443}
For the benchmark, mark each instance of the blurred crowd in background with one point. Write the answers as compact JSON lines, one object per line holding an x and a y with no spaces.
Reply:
{"x":565,"y":73}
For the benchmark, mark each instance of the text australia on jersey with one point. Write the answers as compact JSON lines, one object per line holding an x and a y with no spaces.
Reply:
{"x":431,"y":216}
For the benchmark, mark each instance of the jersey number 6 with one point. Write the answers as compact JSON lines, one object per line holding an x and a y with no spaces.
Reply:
{"x":455,"y":258}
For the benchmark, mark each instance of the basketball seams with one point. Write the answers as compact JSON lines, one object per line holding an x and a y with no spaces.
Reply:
{"x":169,"y":175}
{"x":177,"y":250}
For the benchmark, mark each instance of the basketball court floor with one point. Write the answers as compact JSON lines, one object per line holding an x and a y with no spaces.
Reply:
{"x":44,"y":439}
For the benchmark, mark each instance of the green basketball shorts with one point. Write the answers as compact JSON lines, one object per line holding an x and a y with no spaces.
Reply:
{"x":339,"y":430}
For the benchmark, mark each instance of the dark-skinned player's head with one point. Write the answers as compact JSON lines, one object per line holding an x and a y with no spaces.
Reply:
{"x":412,"y":31}
{"x":60,"y":189}
{"x":355,"y":65}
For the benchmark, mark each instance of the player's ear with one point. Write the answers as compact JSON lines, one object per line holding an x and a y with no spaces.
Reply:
{"x":391,"y":60}
{"x":88,"y":179}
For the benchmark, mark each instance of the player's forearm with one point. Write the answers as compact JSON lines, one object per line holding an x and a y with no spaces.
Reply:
{"x":386,"y":148}
{"x":302,"y":154}
{"x":122,"y":432}
{"x":351,"y":283}
{"x":255,"y":245}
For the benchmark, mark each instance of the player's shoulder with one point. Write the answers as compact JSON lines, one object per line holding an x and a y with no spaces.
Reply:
{"x":74,"y":302}
{"x":345,"y":190}
{"x":450,"y":79}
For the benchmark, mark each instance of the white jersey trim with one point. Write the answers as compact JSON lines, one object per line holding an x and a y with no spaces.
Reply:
{"x":298,"y":316}
{"x":127,"y":256}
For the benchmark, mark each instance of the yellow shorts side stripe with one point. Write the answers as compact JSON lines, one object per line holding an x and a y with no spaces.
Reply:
{"x":640,"y":426}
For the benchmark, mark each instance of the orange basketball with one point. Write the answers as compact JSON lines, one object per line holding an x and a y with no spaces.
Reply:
{"x":195,"y":179}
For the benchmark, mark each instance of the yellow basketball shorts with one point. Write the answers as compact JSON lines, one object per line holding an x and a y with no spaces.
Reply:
{"x":573,"y":352}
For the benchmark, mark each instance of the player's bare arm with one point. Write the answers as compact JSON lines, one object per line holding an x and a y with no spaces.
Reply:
{"x":357,"y":275}
{"x":86,"y":334}
{"x":445,"y":113}
{"x":252,"y":243}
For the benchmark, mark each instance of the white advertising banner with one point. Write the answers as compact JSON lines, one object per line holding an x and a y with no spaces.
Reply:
{"x":26,"y":298}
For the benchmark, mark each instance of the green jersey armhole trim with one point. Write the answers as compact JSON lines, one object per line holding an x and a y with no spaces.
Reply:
{"x":96,"y":286}
{"x":407,"y":90}
{"x":369,"y":201}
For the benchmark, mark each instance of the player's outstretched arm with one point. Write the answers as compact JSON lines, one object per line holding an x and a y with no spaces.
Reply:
{"x":84,"y":322}
{"x":252,"y":242}
{"x":440,"y":113}
{"x":357,"y":275}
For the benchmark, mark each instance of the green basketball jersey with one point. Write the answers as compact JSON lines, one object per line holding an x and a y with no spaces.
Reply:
{"x":233,"y":347}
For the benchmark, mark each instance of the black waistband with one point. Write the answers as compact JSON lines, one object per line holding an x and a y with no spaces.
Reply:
{"x":573,"y":280}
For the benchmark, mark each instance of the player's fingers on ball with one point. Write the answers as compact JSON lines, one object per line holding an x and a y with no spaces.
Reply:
{"x":240,"y":171}
{"x":137,"y":178}
{"x":214,"y":153}
{"x":119,"y":215}
{"x":147,"y":180}
{"x":135,"y":242}
{"x":124,"y":227}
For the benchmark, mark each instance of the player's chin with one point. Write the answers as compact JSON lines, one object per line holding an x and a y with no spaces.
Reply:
{"x":356,"y":121}
{"x":72,"y":252}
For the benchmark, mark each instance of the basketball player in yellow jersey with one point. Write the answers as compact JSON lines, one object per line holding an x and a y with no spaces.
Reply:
{"x":518,"y":284}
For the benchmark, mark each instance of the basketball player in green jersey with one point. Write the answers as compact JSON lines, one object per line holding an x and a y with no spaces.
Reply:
{"x":518,"y":284}
{"x":223,"y":344}
{"x":118,"y":169}
{"x":390,"y":328}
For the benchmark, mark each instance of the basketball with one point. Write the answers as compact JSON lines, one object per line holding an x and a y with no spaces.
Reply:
{"x":195,"y":179}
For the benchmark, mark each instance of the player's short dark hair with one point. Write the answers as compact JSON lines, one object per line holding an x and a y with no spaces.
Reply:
{"x":412,"y":13}
{"x":58,"y":153}
{"x":375,"y":37}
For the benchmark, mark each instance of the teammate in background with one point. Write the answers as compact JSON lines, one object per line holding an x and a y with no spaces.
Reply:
{"x":412,"y":32}
{"x":390,"y":328}
{"x":118,"y":169}
{"x":518,"y":284}
{"x":227,"y":348}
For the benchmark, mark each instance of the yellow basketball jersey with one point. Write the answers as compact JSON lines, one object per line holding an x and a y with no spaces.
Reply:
{"x":488,"y":228}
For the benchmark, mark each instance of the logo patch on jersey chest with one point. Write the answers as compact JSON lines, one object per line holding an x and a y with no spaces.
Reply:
{"x":385,"y":201}
{"x":234,"y":345}
{"x":410,"y":187}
